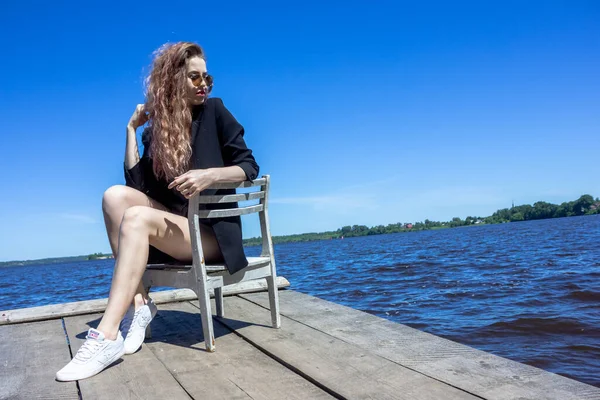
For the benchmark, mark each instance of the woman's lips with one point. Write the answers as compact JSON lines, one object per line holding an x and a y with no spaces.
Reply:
{"x":200,"y":93}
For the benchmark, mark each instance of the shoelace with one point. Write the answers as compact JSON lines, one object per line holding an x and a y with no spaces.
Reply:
{"x":88,"y":349}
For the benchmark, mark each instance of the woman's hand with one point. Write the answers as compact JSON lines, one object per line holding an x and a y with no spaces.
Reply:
{"x":138,"y":118}
{"x":194,"y":181}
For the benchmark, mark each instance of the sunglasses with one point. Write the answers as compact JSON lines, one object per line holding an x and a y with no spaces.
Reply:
{"x":198,"y":79}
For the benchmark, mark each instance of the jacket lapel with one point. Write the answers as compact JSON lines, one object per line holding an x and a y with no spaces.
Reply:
{"x":197,"y":115}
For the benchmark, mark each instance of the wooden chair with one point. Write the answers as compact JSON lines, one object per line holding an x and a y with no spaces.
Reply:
{"x":201,"y":277}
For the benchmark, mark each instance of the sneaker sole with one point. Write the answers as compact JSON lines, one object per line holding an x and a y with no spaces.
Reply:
{"x":69,"y":378}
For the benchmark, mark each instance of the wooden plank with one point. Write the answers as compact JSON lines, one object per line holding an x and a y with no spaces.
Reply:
{"x":235,"y":371}
{"x":225,"y":278}
{"x":478,"y":372}
{"x":229,"y":212}
{"x":30,"y":355}
{"x":211,"y":268}
{"x":182,"y":268}
{"x":235,"y":185}
{"x":230,"y":198}
{"x":140,"y":375}
{"x":93,"y":306}
{"x":347,"y":370}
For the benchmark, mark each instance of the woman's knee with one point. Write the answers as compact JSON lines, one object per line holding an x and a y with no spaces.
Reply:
{"x":115,"y":196}
{"x":136,"y":219}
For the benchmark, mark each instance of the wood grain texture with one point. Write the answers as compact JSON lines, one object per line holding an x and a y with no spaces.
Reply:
{"x":235,"y":185}
{"x":267,"y":251}
{"x":235,"y":371}
{"x":135,"y":376}
{"x":30,"y":356}
{"x":210,"y":268}
{"x":93,"y":306}
{"x":230,"y":198}
{"x":347,"y":370}
{"x":197,"y":277}
{"x":229,"y":212}
{"x":478,"y":372}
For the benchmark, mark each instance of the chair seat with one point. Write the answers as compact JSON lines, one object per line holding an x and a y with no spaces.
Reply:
{"x":252,"y":262}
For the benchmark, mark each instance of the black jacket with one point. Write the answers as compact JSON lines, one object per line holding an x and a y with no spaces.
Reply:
{"x":217,"y":141}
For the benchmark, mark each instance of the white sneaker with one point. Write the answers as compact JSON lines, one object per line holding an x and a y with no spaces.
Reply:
{"x":93,"y":356}
{"x":126,"y":321}
{"x":134,"y":326}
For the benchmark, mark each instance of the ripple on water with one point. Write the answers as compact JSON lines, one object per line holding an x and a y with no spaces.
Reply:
{"x":525,"y":291}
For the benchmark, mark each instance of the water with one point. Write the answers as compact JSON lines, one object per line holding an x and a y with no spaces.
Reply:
{"x":527,"y":291}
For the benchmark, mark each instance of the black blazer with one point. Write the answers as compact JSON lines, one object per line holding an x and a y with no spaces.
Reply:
{"x":217,"y":141}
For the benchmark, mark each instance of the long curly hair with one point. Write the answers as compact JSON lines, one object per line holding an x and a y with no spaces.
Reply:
{"x":169,"y":114}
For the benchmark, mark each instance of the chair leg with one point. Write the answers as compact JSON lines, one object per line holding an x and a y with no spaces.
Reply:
{"x":206,"y":314}
{"x":274,"y":301}
{"x":219,"y":302}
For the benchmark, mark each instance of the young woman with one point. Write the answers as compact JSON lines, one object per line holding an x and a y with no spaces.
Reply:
{"x":191,"y":142}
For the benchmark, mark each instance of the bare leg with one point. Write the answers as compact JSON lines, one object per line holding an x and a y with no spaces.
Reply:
{"x":142,"y":226}
{"x":115,"y":201}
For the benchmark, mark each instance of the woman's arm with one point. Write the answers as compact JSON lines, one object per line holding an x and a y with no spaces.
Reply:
{"x":133,"y":168}
{"x":132,"y":154}
{"x":196,"y":180}
{"x":229,"y":174}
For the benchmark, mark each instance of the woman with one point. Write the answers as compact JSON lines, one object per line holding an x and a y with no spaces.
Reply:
{"x":191,"y":143}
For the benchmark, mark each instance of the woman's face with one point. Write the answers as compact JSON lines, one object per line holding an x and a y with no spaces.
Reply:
{"x":196,"y":68}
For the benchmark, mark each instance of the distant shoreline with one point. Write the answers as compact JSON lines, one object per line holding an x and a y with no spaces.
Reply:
{"x":585,"y":205}
{"x":247,"y":243}
{"x":56,"y":260}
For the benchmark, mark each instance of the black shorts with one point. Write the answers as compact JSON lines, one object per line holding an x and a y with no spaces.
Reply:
{"x":155,"y":256}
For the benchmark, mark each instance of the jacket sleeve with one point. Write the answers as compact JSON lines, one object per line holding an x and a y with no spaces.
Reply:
{"x":234,"y":149}
{"x":135,"y":177}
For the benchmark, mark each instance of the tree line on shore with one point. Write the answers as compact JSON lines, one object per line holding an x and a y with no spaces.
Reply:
{"x":585,"y":205}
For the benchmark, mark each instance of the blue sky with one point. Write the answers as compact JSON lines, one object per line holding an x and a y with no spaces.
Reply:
{"x":362,"y":113}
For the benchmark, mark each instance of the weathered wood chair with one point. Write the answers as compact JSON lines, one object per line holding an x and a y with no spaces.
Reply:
{"x":201,"y":277}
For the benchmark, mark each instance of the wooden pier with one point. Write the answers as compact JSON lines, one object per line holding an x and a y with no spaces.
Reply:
{"x":323,"y":350}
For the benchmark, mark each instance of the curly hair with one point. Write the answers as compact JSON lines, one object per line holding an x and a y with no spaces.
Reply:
{"x":169,"y":114}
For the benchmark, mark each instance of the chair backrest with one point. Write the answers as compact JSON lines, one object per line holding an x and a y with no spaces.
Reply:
{"x":232,"y":198}
{"x":262,"y":208}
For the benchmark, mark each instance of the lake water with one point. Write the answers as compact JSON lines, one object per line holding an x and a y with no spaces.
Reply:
{"x":528,"y":291}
